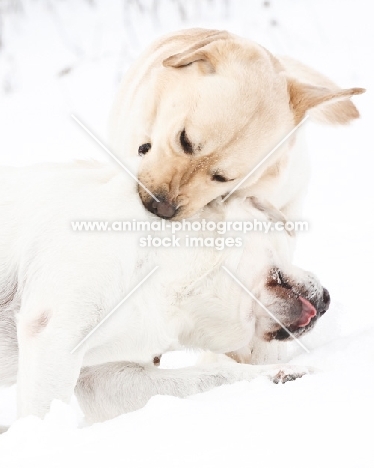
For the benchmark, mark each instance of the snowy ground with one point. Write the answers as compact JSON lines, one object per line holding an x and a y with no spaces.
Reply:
{"x":59,"y":57}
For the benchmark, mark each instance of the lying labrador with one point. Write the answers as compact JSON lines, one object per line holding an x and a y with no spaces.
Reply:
{"x":203,"y":108}
{"x":57,"y":284}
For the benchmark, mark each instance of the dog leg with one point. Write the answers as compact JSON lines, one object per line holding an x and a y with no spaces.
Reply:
{"x":108,"y":390}
{"x":8,"y":345}
{"x":47,"y":370}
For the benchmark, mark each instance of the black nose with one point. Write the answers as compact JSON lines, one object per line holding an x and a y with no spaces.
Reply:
{"x":163,"y":209}
{"x":326,"y":297}
{"x":326,"y":301}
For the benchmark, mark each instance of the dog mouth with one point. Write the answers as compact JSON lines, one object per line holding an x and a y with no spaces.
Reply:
{"x":300,"y":304}
{"x":308,"y":312}
{"x":303,"y":324}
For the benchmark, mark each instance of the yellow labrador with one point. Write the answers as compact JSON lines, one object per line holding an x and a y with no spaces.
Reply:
{"x":204,"y":107}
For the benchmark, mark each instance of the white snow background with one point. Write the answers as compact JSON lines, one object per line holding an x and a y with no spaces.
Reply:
{"x":64,"y":56}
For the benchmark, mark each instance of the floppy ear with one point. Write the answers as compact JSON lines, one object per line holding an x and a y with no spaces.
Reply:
{"x":326,"y":102}
{"x":272,"y":213}
{"x":198,"y":52}
{"x":332,"y":103}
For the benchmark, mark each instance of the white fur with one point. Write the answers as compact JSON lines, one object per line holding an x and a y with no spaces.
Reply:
{"x":58,"y":284}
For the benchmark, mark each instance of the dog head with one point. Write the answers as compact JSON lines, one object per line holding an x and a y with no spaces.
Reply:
{"x":259,"y":295}
{"x":287,"y":301}
{"x":290,"y":303}
{"x":212,"y":113}
{"x":295,"y":300}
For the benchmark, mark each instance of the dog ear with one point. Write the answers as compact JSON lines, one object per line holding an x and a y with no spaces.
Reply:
{"x":312,"y":91}
{"x":272,"y":213}
{"x":198,"y":52}
{"x":333,"y":103}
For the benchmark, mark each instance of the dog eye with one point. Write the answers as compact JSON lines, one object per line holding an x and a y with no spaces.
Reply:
{"x":278,"y":276}
{"x":220,"y":178}
{"x":143,"y":149}
{"x":185,"y":142}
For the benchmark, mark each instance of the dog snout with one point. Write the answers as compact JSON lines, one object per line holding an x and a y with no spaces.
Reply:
{"x":300,"y":302}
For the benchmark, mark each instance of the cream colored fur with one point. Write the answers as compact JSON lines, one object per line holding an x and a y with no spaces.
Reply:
{"x":234,"y":101}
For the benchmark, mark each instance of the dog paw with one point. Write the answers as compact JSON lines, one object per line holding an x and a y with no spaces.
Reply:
{"x":287,"y":375}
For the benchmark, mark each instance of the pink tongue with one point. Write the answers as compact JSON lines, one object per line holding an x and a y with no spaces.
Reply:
{"x":308,"y":311}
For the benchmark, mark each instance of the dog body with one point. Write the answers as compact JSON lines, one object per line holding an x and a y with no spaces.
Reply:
{"x":57,"y":284}
{"x":204,"y":108}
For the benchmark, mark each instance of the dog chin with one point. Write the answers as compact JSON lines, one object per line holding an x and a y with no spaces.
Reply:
{"x":291,"y":332}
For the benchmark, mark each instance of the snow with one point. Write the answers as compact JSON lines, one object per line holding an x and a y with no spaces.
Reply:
{"x":63,"y":57}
